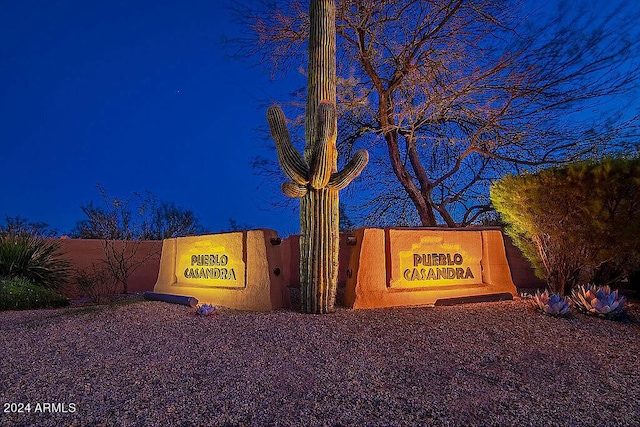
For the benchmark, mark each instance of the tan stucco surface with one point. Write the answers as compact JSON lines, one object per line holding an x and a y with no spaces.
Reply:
{"x":363,"y":266}
{"x":249,"y":278}
{"x":413,"y":267}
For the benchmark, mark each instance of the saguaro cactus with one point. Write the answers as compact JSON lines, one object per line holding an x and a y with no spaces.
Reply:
{"x":315,"y":179}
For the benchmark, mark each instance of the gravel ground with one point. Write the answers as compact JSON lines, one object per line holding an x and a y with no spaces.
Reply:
{"x":157,"y":364}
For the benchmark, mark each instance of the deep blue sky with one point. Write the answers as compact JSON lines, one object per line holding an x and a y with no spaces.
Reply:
{"x":134,"y":95}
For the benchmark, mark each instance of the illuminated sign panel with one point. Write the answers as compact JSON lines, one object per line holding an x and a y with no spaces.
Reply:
{"x":420,"y":260}
{"x":215,"y":261}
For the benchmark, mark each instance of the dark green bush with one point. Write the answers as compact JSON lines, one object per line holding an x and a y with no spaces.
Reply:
{"x":17,"y":293}
{"x":576,"y":224}
{"x":35,"y":258}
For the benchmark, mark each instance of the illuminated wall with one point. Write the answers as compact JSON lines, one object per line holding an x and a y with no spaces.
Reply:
{"x":408,"y":267}
{"x":241,"y":270}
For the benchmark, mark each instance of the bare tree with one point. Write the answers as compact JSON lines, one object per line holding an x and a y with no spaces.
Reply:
{"x":448,"y":95}
{"x":123,"y":224}
{"x":142,"y":218}
{"x":18,"y":224}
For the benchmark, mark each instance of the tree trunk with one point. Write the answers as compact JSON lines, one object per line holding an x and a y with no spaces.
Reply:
{"x":423,"y":207}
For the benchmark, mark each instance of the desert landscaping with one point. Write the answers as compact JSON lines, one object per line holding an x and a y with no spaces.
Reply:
{"x":139,"y":362}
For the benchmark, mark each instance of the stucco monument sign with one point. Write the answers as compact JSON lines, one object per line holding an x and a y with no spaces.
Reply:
{"x":215,"y":261}
{"x":241,"y":270}
{"x":428,"y":259}
{"x":407,"y":267}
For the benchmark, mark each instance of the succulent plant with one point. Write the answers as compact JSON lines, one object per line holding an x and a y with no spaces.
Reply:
{"x":599,"y":301}
{"x":552,"y":304}
{"x":314,"y":177}
{"x":205,"y":310}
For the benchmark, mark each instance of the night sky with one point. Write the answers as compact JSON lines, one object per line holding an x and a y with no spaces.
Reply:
{"x":134,"y":96}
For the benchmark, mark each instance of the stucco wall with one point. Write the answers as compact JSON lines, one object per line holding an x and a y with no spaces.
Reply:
{"x":87,"y":254}
{"x":521,"y":271}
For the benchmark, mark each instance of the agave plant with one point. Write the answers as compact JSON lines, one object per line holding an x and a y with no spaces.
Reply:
{"x":552,"y":304}
{"x":205,"y":309}
{"x":599,"y":301}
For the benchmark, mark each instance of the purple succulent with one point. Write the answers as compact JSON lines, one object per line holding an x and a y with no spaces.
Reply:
{"x":205,"y":309}
{"x":552,"y":304}
{"x":599,"y":301}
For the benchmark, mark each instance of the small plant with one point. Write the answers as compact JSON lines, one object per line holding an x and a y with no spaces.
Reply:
{"x":17,"y":293}
{"x":96,"y":284}
{"x":552,"y":304}
{"x":599,"y":301}
{"x":205,"y":310}
{"x":32,"y":257}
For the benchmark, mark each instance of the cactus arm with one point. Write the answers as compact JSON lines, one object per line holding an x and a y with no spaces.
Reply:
{"x":324,"y":155}
{"x":343,"y":178}
{"x":294,"y":190}
{"x":291,"y":162}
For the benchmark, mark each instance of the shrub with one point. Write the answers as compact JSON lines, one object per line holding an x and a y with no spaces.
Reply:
{"x":142,"y":218}
{"x":17,"y":293}
{"x":32,"y":257}
{"x":97,"y":284}
{"x":578,"y":223}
